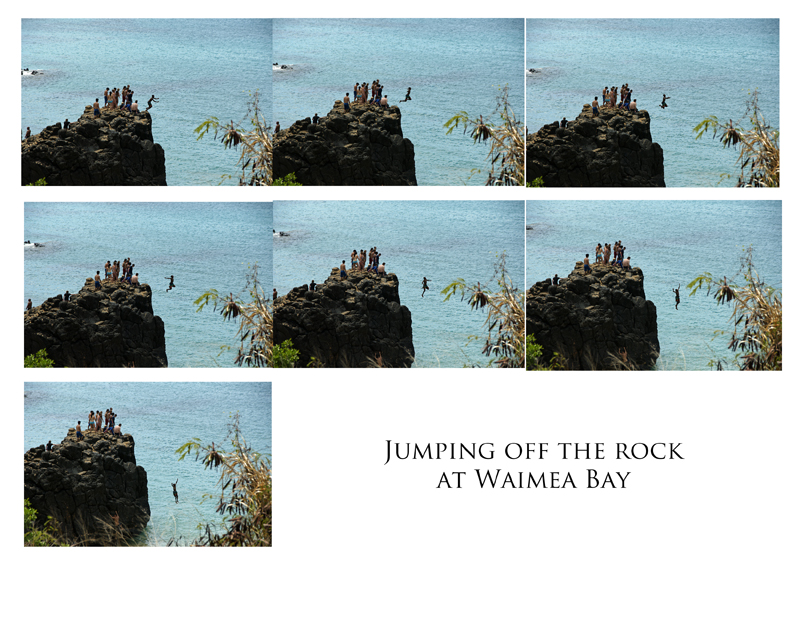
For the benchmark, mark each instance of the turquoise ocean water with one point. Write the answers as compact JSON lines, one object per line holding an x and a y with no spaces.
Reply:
{"x":450,"y":65}
{"x":706,"y":66}
{"x":204,"y":245}
{"x":161,"y":417}
{"x":198,"y":68}
{"x":440,"y":240}
{"x":672,"y":242}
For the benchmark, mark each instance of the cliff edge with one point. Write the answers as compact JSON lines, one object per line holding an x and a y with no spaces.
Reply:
{"x":86,"y":484}
{"x":110,"y":327}
{"x":599,"y":320}
{"x":355,"y":322}
{"x":613,"y":149}
{"x":115,"y":148}
{"x":364,"y":146}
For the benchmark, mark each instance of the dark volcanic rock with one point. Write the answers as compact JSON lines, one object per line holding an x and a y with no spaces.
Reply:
{"x":347,"y":323}
{"x":364,"y":146}
{"x":614,"y":149}
{"x":115,"y":148}
{"x":588,"y":319}
{"x":84,"y":483}
{"x":110,"y":327}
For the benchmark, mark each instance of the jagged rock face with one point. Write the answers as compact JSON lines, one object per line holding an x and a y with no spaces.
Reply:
{"x":110,"y":327}
{"x":356,"y":322}
{"x":115,"y":148}
{"x":83,"y":483}
{"x":614,"y":149}
{"x":589,"y":319}
{"x":364,"y":146}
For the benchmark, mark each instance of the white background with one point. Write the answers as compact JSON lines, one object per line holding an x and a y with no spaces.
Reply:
{"x":712,"y":535}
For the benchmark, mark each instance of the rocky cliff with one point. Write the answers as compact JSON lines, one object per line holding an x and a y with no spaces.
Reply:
{"x":364,"y":146}
{"x":116,"y":148}
{"x":356,"y":322}
{"x":110,"y":327}
{"x":85,"y":484}
{"x":614,"y":149}
{"x":596,"y":320}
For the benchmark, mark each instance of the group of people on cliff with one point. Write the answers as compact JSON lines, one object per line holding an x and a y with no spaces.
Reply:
{"x":102,"y":422}
{"x":112,"y":98}
{"x":358,"y":261}
{"x":610,"y":96}
{"x":112,"y":272}
{"x":603,"y":256}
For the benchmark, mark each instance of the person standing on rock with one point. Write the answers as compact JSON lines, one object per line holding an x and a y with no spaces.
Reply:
{"x":135,"y":280}
{"x":66,"y":124}
{"x":105,"y":98}
{"x":677,"y":296}
{"x":49,"y":446}
{"x":29,"y":306}
{"x":315,"y":119}
{"x":274,"y":294}
{"x":277,"y":127}
{"x":78,"y":432}
{"x":97,"y":281}
{"x":66,"y":296}
{"x":312,"y":286}
{"x":27,"y":133}
{"x":586,"y":268}
{"x":595,"y":110}
{"x":346,"y":102}
{"x":96,"y":107}
{"x":343,"y":271}
{"x":556,"y":279}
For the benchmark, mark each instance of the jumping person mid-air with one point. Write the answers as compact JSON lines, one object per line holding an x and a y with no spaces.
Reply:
{"x":171,"y":282}
{"x":424,"y":285}
{"x":408,"y":96}
{"x":677,"y":296}
{"x":175,"y":490}
{"x":664,"y":101}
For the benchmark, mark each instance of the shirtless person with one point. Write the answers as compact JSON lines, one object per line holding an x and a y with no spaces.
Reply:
{"x":105,"y":98}
{"x":175,"y":490}
{"x":277,"y":127}
{"x":385,"y":102}
{"x":664,"y":101}
{"x":424,"y":286}
{"x":408,"y":96}
{"x":171,"y":282}
{"x":626,"y":263}
{"x":382,"y":269}
{"x":343,"y":271}
{"x":135,"y":108}
{"x":633,"y":107}
{"x":312,"y":286}
{"x":135,"y":279}
{"x":677,"y":296}
{"x":595,"y":110}
{"x":586,"y":268}
{"x":150,"y":102}
{"x":346,"y":102}
{"x":315,"y":119}
{"x":97,"y":281}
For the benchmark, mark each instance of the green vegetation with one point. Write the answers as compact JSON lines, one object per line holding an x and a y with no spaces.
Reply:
{"x":533,"y":357}
{"x":759,"y":146}
{"x":245,"y":499}
{"x":505,"y":316}
{"x":757,"y":336}
{"x":536,"y":183}
{"x":506,"y":140}
{"x":46,"y":536}
{"x":255,"y":158}
{"x":40,"y":359}
{"x":255,"y":320}
{"x":290,"y":180}
{"x":39,"y":183}
{"x":284,"y":354}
